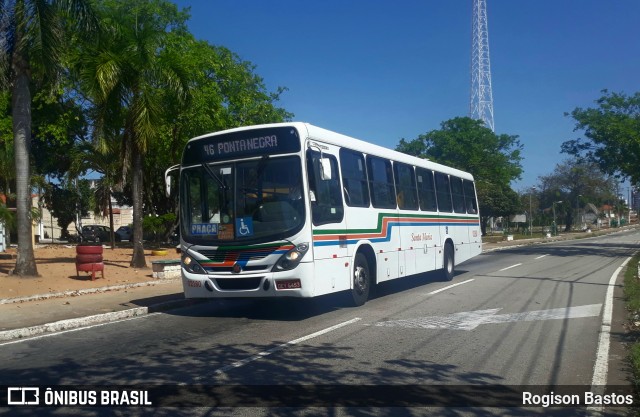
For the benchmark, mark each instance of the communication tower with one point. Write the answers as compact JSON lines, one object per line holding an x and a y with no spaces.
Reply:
{"x":481,"y":103}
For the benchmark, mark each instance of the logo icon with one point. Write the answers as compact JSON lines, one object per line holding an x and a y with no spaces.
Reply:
{"x":23,"y":396}
{"x":244,"y":226}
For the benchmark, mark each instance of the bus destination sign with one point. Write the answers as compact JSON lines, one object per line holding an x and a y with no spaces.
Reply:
{"x":245,"y":143}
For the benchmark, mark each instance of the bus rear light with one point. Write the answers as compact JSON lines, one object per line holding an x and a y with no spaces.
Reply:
{"x":288,"y":284}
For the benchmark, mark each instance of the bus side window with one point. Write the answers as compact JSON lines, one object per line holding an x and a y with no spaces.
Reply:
{"x":470,"y":196}
{"x":324,"y":194}
{"x":457,"y":195}
{"x":444,"y":193}
{"x":383,"y":194}
{"x":405,"y":186}
{"x":354,"y":178}
{"x":426,"y":190}
{"x":194,"y":198}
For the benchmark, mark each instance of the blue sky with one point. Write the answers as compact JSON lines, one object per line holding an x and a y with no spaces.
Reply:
{"x":382,"y":70}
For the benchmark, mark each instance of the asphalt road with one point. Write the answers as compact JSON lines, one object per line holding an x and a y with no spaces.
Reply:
{"x":528,"y":316}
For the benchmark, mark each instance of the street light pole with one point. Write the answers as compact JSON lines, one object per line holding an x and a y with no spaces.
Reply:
{"x":578,"y":211}
{"x":530,"y":212}
{"x":555,"y":226}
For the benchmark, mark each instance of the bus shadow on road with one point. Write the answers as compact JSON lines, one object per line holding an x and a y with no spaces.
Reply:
{"x":423,"y":280}
{"x":298,"y":309}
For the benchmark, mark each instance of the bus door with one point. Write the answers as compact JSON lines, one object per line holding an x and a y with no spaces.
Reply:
{"x":448,"y":227}
{"x":475,"y":234}
{"x":328,"y":220}
{"x":461,"y":229}
{"x":427,"y":236}
{"x":382,"y":222}
{"x":410,"y":224}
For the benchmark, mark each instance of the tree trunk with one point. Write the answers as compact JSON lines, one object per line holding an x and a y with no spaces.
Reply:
{"x":568,"y":222}
{"x":483,"y":225}
{"x":21,"y":113}
{"x":138,"y":259}
{"x":113,"y":232}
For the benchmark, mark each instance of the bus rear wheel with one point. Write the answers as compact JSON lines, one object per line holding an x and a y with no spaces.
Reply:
{"x":448,"y":265}
{"x":361,"y":280}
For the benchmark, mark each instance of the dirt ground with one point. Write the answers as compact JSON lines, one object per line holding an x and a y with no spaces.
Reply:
{"x":57,"y":269}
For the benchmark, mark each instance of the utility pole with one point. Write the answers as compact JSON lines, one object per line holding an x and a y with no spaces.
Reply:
{"x":530,"y":212}
{"x":481,"y":103}
{"x":555,"y":226}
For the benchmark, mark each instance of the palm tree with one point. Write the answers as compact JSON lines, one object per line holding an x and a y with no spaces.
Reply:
{"x":103,"y":160}
{"x":126,"y":73}
{"x":31,"y":45}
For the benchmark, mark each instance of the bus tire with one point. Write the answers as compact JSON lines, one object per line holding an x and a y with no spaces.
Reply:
{"x":448,"y":264}
{"x":361,"y":280}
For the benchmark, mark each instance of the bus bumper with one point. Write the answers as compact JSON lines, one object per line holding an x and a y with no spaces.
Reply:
{"x":297,"y":282}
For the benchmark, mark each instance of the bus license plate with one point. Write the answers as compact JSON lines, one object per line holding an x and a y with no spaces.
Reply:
{"x":288,"y":284}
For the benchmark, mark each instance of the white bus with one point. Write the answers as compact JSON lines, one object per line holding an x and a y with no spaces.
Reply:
{"x":293,"y":210}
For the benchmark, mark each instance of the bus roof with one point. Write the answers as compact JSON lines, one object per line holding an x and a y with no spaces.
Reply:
{"x":338,"y":139}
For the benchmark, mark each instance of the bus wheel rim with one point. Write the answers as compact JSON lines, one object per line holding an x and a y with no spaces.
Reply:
{"x":360,"y":280}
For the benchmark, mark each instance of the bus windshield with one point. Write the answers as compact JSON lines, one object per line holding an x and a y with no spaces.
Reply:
{"x":256,"y":200}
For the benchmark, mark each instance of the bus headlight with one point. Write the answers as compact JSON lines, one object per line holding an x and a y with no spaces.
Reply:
{"x":191,"y":265}
{"x":292,"y":258}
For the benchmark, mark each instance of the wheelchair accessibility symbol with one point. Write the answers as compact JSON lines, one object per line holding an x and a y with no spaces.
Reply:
{"x":244,"y":226}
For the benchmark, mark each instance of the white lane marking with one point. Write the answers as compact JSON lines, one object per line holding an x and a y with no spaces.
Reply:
{"x":542,"y":256}
{"x":283,"y":346}
{"x":450,"y":286}
{"x":601,"y":367}
{"x":77,"y":329}
{"x":509,"y":267}
{"x":469,"y":320}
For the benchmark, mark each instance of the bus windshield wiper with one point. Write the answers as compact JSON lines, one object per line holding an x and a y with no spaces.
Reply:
{"x":215,"y":176}
{"x":262,"y":165}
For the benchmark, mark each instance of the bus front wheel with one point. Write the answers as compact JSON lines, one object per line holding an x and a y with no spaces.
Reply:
{"x":448,"y":268}
{"x":361,"y":280}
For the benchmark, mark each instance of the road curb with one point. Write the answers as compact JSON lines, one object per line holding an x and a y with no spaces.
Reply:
{"x":544,"y":241}
{"x":74,"y":293}
{"x":76,"y":323}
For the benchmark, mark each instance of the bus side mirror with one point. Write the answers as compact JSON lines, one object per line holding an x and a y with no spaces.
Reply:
{"x":167,"y":185}
{"x":167,"y":179}
{"x":325,"y":165}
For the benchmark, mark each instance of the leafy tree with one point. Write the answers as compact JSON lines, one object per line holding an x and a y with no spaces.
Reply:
{"x":224,"y":93}
{"x":496,"y":202}
{"x":611,"y":134}
{"x":7,"y":162}
{"x":105,"y":161}
{"x":33,"y":38}
{"x":126,"y":74}
{"x":158,"y":225}
{"x":66,"y":199}
{"x":58,"y":125}
{"x":494,"y":161}
{"x":573,"y":181}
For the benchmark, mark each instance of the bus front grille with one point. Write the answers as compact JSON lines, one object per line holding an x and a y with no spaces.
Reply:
{"x":229,"y":269}
{"x":238,"y":284}
{"x":247,"y":255}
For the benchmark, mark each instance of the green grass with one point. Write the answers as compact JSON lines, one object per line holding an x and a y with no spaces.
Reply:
{"x":632,"y":297}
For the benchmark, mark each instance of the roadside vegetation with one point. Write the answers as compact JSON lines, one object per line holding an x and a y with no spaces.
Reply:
{"x":114,"y":88}
{"x":632,"y":297}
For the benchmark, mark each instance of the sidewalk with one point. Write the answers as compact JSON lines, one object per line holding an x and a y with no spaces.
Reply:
{"x":45,"y":313}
